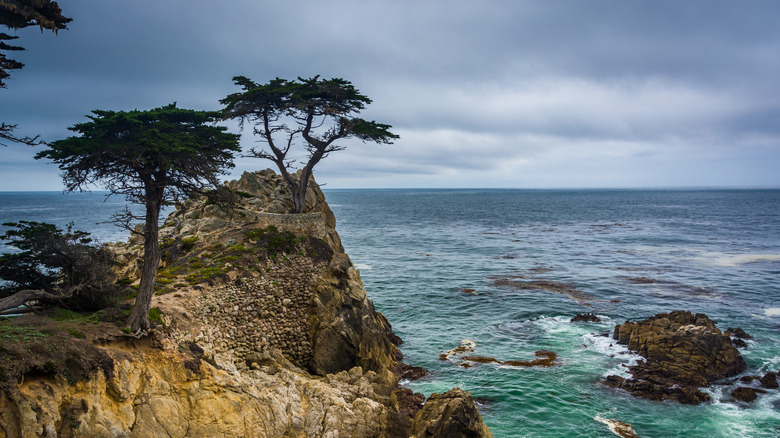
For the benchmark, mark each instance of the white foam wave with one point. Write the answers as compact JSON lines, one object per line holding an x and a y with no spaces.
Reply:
{"x":609,"y":347}
{"x":362,"y":267}
{"x":715,"y":258}
{"x":772,"y":311}
{"x":711,"y":258}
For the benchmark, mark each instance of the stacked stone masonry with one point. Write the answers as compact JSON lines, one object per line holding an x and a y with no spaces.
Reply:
{"x":251,"y":316}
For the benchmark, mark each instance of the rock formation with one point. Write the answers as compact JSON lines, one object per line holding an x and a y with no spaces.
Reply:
{"x":682,"y":352}
{"x":265,"y":330}
{"x":449,"y":415}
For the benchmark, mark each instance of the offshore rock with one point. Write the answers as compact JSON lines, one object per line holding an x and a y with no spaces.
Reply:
{"x":682,"y":352}
{"x":746,"y":394}
{"x":585,"y":317}
{"x":452,"y":414}
{"x":769,"y":381}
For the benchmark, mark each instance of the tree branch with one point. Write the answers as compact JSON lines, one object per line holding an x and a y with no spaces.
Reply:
{"x":26,"y":295}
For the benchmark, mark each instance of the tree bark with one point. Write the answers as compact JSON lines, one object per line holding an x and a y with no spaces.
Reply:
{"x":26,"y":295}
{"x":139,"y":316}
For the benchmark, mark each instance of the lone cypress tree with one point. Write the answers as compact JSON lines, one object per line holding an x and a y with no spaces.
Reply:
{"x":151,"y":157}
{"x":321,"y":112}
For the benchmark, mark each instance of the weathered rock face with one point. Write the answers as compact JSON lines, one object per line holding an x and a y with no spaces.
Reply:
{"x":683,"y":352}
{"x":314,"y":309}
{"x":152,"y":393}
{"x":267,"y":333}
{"x":452,"y":414}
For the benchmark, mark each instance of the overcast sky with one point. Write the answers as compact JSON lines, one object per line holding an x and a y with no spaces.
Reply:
{"x":526,"y":94}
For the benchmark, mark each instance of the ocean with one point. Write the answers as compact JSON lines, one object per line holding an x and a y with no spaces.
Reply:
{"x":440,"y":264}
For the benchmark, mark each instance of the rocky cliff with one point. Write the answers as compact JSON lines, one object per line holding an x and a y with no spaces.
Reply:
{"x":264,"y":330}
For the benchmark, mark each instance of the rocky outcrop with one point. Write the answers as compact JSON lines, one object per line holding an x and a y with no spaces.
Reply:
{"x":682,"y":352}
{"x":452,"y":414}
{"x":153,"y":393}
{"x":265,"y":331}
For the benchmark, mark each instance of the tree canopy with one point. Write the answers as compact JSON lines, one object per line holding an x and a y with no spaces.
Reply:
{"x":152,"y":158}
{"x":18,"y":14}
{"x":312,"y":113}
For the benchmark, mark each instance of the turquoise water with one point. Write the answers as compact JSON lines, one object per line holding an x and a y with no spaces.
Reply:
{"x":629,"y":253}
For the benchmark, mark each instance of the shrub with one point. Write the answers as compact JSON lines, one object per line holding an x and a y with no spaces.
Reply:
{"x":60,"y":263}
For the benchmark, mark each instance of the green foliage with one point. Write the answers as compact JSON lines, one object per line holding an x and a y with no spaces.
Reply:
{"x":18,"y":14}
{"x":76,"y":333}
{"x":274,"y":241}
{"x":189,"y":243}
{"x":152,"y":158}
{"x":311,"y":113}
{"x":204,"y":274}
{"x":168,"y":150}
{"x":66,"y":315}
{"x":20,"y":333}
{"x":155,"y":315}
{"x":58,"y":262}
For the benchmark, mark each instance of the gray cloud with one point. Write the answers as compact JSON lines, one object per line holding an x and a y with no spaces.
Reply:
{"x":494,"y":93}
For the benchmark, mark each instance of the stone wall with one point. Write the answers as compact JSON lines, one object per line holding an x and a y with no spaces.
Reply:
{"x":250,"y":316}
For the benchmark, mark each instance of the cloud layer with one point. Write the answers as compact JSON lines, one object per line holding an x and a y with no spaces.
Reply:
{"x":483,"y":94}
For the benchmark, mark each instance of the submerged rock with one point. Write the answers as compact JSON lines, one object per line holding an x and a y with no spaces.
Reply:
{"x":585,"y":317}
{"x":682,"y":352}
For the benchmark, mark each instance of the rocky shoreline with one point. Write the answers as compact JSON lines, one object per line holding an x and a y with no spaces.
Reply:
{"x":265,"y":330}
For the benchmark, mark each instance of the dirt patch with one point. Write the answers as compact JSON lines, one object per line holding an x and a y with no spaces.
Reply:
{"x":53,"y":344}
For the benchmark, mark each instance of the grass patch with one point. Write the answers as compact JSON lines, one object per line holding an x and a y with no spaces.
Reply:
{"x":66,"y":315}
{"x":155,"y":315}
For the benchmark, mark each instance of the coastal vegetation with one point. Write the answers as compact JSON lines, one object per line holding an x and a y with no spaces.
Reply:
{"x":315,"y":112}
{"x":55,"y":266}
{"x":152,"y":158}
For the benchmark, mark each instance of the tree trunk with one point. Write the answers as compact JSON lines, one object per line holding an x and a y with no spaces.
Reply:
{"x":299,"y":192}
{"x":26,"y":295}
{"x":139,"y":317}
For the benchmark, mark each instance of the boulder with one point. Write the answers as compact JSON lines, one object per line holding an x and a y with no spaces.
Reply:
{"x":746,"y":394}
{"x":737,"y":333}
{"x":452,"y":414}
{"x":769,"y":381}
{"x":682,"y":352}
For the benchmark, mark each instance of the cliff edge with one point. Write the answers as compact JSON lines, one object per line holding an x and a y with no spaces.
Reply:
{"x":263,"y":329}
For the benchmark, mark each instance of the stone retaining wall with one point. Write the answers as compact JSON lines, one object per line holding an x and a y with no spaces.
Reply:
{"x":251,"y":316}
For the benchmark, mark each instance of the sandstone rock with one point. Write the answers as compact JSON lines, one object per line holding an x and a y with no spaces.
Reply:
{"x":683,"y":352}
{"x":291,"y":346}
{"x":452,"y":414}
